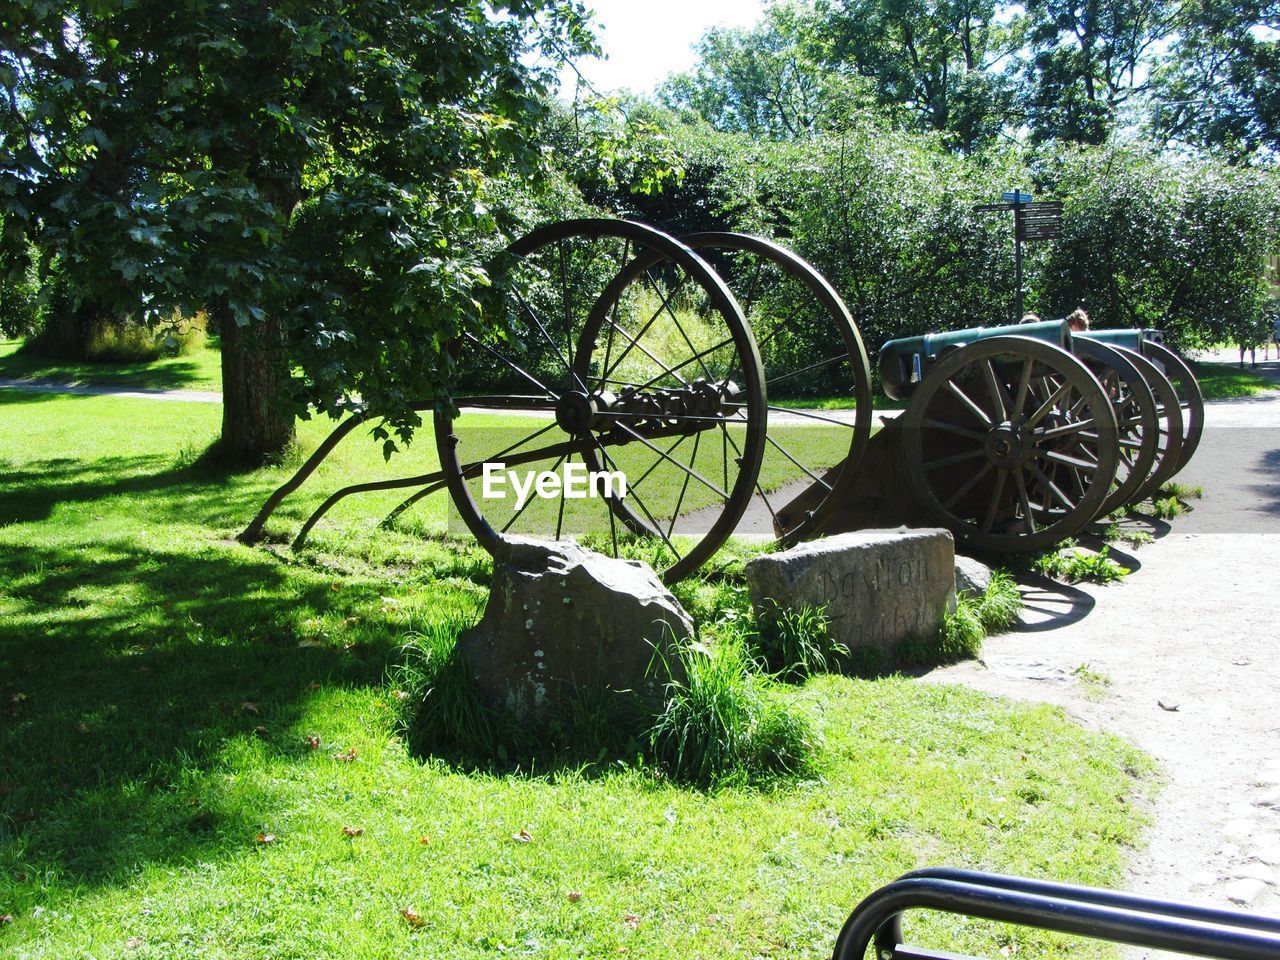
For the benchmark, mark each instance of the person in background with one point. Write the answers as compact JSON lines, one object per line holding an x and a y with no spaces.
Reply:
{"x":1078,"y":320}
{"x":1275,"y":338}
{"x":1252,"y":335}
{"x":1029,"y":318}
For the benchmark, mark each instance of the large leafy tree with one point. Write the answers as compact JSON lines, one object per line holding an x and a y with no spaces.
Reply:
{"x":320,"y":175}
{"x":773,"y":81}
{"x":940,"y":60}
{"x":1087,"y":58}
{"x":1220,"y":85}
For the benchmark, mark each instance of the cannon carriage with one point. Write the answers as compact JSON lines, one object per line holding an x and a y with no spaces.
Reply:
{"x":627,"y":352}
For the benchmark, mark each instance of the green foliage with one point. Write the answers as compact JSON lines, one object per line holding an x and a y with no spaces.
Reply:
{"x":333,"y":182}
{"x":1219,"y":86}
{"x":20,"y":312}
{"x":723,"y":723}
{"x":1086,"y":61}
{"x":1073,"y":564}
{"x":1150,"y":242}
{"x":1183,"y":491}
{"x":772,"y":81}
{"x":1115,"y":533}
{"x":1000,"y":603}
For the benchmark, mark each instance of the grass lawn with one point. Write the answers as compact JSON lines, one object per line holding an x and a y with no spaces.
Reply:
{"x":200,"y":371}
{"x":189,"y":725}
{"x":1220,"y":381}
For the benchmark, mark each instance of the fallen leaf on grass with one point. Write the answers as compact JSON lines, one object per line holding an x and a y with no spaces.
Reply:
{"x":524,"y":836}
{"x":249,"y":706}
{"x":575,"y":896}
{"x":632,"y":921}
{"x":266,"y":839}
{"x":133,"y":943}
{"x":414,"y":920}
{"x":260,"y":731}
{"x":1171,"y":707}
{"x":6,"y":918}
{"x":424,"y":840}
{"x":313,"y":742}
{"x":353,"y":831}
{"x":346,"y":756}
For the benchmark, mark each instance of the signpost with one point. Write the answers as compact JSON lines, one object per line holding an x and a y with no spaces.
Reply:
{"x":1031,"y":222}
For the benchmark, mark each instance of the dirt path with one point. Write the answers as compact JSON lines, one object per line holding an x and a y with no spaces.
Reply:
{"x":1185,"y":661}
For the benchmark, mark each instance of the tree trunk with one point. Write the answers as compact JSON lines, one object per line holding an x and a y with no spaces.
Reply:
{"x":257,"y":422}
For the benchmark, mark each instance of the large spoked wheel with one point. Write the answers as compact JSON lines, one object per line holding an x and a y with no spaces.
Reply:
{"x":1190,"y":397}
{"x":627,"y":373}
{"x":1171,"y":426}
{"x":1011,"y":443}
{"x":1136,"y":418}
{"x":813,"y":355}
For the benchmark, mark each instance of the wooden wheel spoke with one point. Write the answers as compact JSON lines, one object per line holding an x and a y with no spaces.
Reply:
{"x":1067,"y":429}
{"x":972,"y":482}
{"x":954,"y":458}
{"x":995,"y":389}
{"x":1020,"y":481}
{"x":1058,"y":457}
{"x":1049,"y":404}
{"x":968,"y":404}
{"x":1024,"y":387}
{"x":993,"y":508}
{"x":957,"y":430}
{"x":1053,"y":488}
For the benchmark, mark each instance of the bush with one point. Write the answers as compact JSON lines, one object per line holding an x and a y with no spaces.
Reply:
{"x":131,"y":342}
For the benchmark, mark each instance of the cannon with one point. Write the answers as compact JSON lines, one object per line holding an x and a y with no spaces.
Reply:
{"x":623,"y":352}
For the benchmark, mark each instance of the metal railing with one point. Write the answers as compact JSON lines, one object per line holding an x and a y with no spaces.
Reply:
{"x":1124,"y":918}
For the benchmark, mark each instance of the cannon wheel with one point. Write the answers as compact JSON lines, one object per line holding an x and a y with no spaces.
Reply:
{"x":1190,"y":397}
{"x":1137,"y":418}
{"x":994,"y":433}
{"x":762,"y":264}
{"x":607,"y":388}
{"x":1172,"y":434}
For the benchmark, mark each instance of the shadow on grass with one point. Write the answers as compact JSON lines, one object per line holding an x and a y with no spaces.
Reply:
{"x":113,"y":713}
{"x":195,"y":493}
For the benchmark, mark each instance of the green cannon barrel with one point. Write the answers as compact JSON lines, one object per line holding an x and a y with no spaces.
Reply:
{"x":1124,"y":338}
{"x":902,"y":362}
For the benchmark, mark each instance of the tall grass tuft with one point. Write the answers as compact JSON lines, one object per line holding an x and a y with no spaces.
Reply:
{"x":797,"y":643}
{"x":722,"y":724}
{"x":442,"y":711}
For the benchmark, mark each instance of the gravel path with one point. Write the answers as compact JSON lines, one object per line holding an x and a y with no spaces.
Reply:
{"x":1186,"y":660}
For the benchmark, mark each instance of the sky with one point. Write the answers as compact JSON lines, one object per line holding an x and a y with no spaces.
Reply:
{"x":645,"y":40}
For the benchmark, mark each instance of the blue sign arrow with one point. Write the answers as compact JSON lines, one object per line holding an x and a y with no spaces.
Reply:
{"x":1016,"y":196}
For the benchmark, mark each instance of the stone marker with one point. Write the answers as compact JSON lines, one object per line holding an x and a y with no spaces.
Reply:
{"x":879,"y":587}
{"x":561,"y":616}
{"x":972,"y":576}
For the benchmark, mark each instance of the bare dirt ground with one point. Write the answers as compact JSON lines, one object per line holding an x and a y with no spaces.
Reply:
{"x":1183,"y":658}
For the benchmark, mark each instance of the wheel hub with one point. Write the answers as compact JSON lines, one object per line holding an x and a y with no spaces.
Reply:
{"x":1007,"y":445}
{"x":576,"y":411}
